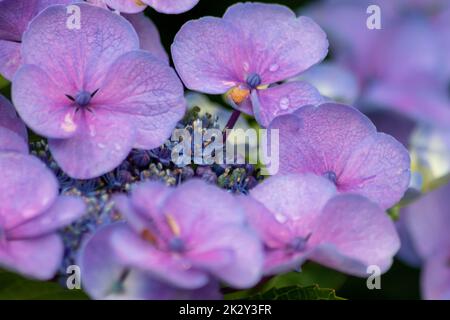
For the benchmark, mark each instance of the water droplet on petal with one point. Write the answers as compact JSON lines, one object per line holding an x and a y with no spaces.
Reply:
{"x":118,"y":147}
{"x":274,"y":67}
{"x":101,"y":145}
{"x":281,"y":218}
{"x":246,"y":66}
{"x":284,"y":103}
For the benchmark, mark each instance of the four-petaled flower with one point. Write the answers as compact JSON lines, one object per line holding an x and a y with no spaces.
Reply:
{"x":303,"y":217}
{"x":186,"y":237}
{"x":163,"y":6}
{"x":340,"y":143}
{"x":245,"y":53}
{"x":92,"y":92}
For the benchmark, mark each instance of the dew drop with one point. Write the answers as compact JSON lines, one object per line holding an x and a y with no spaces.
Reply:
{"x":281,"y":218}
{"x":101,"y":145}
{"x":284,"y":103}
{"x":117,"y":147}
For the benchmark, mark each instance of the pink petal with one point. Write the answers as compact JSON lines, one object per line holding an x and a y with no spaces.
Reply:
{"x":435,"y":278}
{"x":171,"y":6}
{"x":148,"y":35}
{"x":279,"y":45}
{"x":244,"y":270}
{"x":320,"y":139}
{"x":10,"y":141}
{"x":42,"y":103}
{"x":77,"y":58}
{"x":135,"y":252}
{"x":379,"y":169}
{"x":103,"y":140}
{"x":10,"y":58}
{"x":10,"y":120}
{"x":28,"y":188}
{"x":147,"y":93}
{"x":214,"y":64}
{"x":353,"y":233}
{"x":294,"y":198}
{"x":37,"y":258}
{"x":64,"y":211}
{"x":284,"y":99}
{"x":272,"y":232}
{"x":427,"y":221}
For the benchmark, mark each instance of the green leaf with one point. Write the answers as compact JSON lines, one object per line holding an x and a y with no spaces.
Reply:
{"x":15,"y":287}
{"x":313,"y":292}
{"x":311,"y":274}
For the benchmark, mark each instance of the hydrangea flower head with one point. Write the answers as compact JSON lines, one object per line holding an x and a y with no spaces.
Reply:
{"x":186,"y":237}
{"x":163,"y":6}
{"x":14,"y":18}
{"x":301,"y":217}
{"x":30,"y":214}
{"x":13,"y":133}
{"x":340,"y":143}
{"x":252,"y":47}
{"x":91,"y":92}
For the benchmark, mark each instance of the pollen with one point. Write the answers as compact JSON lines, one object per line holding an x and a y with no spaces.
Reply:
{"x":149,"y":236}
{"x":173,"y":225}
{"x":139,"y":3}
{"x":238,"y":95}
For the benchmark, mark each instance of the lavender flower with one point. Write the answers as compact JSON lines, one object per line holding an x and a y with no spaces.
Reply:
{"x":302,"y":217}
{"x":252,"y":47}
{"x":96,"y":109}
{"x":338,"y":142}
{"x":186,"y":237}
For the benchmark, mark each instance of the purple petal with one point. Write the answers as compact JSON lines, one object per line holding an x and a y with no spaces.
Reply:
{"x":10,"y":58}
{"x":148,"y":35}
{"x":279,"y":45}
{"x":379,"y":169}
{"x":64,"y":211}
{"x":353,"y":233}
{"x":38,"y":257}
{"x":10,"y":120}
{"x":10,"y":141}
{"x":42,"y":104}
{"x":320,"y":139}
{"x":134,"y":251}
{"x":435,"y":278}
{"x":171,"y":6}
{"x":294,"y":197}
{"x":271,"y":231}
{"x":93,"y":151}
{"x":77,"y":58}
{"x":244,"y":269}
{"x":428,"y":220}
{"x":28,"y":188}
{"x":148,"y":94}
{"x":205,"y":213}
{"x":284,"y":99}
{"x":214,"y":64}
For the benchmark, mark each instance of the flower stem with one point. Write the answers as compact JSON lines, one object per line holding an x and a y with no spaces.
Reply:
{"x":231,"y":123}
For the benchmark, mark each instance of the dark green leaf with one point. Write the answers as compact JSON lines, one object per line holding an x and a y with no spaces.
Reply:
{"x":15,"y":287}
